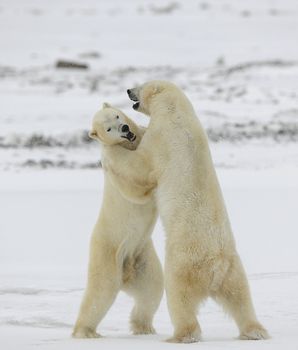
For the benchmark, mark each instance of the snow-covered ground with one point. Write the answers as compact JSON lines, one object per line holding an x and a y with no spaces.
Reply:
{"x":45,"y":228}
{"x":236,"y":60}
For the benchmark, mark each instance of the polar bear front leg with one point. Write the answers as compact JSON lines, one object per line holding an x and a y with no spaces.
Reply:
{"x":134,"y":193}
{"x":132,"y":166}
{"x":102,"y":288}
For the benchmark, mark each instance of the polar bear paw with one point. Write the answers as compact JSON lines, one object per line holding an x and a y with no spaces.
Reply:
{"x":186,"y":337}
{"x":82,"y":333}
{"x":254,"y":331}
{"x":139,"y":328}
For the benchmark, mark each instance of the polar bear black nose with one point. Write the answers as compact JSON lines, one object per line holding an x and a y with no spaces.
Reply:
{"x":125,"y":128}
{"x":128,"y":91}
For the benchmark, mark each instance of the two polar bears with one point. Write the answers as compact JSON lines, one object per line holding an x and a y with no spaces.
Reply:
{"x":201,"y":258}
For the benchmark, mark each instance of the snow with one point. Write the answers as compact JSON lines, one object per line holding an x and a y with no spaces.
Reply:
{"x":45,"y":228}
{"x":236,"y":60}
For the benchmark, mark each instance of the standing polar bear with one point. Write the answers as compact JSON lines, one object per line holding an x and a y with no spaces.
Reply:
{"x":201,"y":257}
{"x":122,"y":256}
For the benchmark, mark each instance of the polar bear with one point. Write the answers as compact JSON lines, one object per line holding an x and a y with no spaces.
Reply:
{"x":122,"y":256}
{"x":201,"y":257}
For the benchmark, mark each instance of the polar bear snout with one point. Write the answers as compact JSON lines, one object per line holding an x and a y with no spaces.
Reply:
{"x":127,"y":134}
{"x":132,"y":95}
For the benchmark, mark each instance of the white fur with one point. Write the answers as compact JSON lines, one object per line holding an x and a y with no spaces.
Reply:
{"x":122,"y":256}
{"x":201,"y":257}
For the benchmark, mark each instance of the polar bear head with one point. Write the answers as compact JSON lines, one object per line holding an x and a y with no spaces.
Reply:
{"x":111,"y":126}
{"x":144,"y":95}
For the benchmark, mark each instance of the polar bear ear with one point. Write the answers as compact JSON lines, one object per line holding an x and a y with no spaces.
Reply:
{"x":106,"y":105}
{"x":92,"y":134}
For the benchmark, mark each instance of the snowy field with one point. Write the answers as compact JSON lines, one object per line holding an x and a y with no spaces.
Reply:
{"x":238,"y":62}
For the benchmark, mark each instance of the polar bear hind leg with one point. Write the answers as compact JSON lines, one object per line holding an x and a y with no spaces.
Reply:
{"x":103,"y":286}
{"x":234,"y":296}
{"x":146,"y":287}
{"x":184,"y":296}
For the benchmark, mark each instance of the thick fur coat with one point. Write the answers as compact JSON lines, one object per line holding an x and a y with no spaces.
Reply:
{"x":122,"y":256}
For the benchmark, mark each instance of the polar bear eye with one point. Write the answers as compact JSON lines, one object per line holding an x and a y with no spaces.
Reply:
{"x":109,"y":129}
{"x":117,"y":117}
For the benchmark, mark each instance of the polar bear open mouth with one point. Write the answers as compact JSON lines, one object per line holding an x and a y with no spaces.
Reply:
{"x":130,"y":136}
